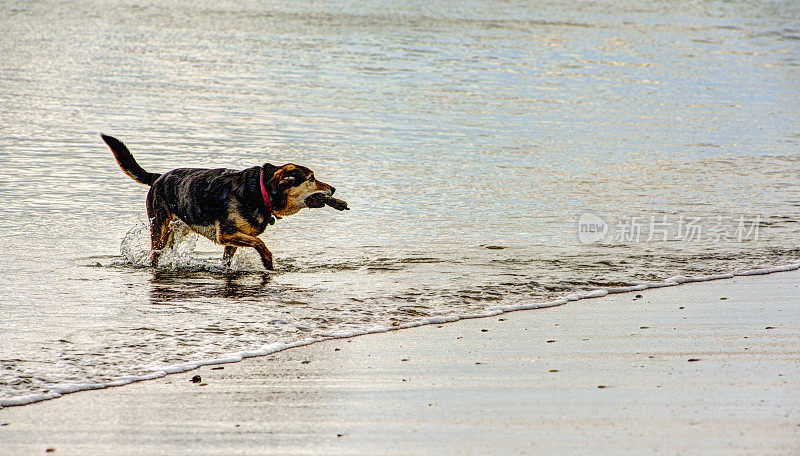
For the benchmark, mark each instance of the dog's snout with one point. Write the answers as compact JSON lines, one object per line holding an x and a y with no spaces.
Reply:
{"x":324,"y":188}
{"x":333,"y":189}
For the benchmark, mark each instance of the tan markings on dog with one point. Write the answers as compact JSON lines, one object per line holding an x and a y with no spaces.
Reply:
{"x":296,"y":196}
{"x":208,"y":231}
{"x":242,"y":225}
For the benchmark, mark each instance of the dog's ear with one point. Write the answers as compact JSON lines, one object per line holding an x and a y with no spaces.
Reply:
{"x":287,"y":181}
{"x":272,"y":176}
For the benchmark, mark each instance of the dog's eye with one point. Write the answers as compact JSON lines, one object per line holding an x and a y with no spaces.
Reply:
{"x":311,"y":178}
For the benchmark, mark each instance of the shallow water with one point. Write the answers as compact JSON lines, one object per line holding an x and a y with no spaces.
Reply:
{"x":468,"y":141}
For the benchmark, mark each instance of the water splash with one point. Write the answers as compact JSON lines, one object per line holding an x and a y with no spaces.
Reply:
{"x":181,"y":256}
{"x":135,"y":247}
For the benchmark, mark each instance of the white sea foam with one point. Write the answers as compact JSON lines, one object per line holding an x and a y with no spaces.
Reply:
{"x":441,"y":319}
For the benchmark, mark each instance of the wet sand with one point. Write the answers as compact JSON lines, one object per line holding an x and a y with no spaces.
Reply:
{"x":705,"y":368}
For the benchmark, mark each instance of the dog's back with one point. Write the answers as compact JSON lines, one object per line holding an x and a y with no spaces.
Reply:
{"x":205,"y":197}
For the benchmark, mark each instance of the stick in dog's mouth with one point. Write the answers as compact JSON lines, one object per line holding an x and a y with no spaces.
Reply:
{"x":319,"y":199}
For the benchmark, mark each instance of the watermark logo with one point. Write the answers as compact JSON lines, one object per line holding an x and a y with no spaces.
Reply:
{"x":668,"y":228}
{"x":591,"y":228}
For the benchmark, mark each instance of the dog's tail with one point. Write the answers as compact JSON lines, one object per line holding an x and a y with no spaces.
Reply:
{"x":127,"y":163}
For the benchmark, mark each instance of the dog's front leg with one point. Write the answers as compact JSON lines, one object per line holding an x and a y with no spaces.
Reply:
{"x":227,"y":257}
{"x":230,"y":250}
{"x":239,"y":239}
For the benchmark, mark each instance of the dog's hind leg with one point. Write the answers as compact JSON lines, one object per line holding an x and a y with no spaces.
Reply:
{"x":160,"y":234}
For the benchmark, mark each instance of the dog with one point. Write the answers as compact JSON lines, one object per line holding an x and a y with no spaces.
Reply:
{"x":232,"y":208}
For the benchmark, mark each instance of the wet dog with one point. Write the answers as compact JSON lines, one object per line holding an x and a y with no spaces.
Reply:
{"x":227,"y":206}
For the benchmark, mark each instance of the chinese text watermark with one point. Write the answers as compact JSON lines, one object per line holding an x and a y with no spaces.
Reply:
{"x":668,"y":228}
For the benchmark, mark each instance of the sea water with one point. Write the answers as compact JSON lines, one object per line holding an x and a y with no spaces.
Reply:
{"x":496,"y":156}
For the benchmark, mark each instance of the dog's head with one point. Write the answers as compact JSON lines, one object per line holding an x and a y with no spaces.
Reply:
{"x":291,"y":185}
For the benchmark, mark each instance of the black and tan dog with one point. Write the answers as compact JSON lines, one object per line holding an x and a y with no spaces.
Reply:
{"x":227,"y":206}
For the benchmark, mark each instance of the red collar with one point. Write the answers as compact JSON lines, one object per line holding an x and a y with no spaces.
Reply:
{"x":264,"y":193}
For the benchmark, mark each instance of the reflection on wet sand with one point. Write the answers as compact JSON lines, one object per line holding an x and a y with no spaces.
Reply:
{"x":168,"y":286}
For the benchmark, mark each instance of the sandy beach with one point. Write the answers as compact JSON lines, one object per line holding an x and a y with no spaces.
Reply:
{"x":704,"y":368}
